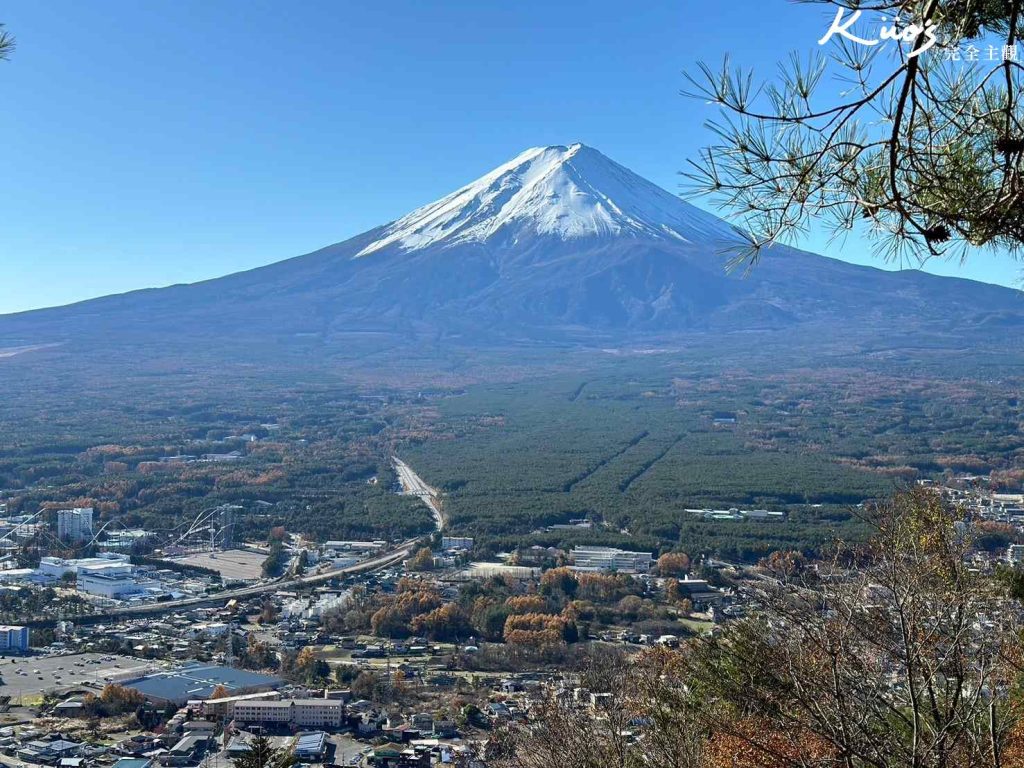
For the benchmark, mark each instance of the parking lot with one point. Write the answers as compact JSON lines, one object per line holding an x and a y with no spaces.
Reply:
{"x":25,"y":678}
{"x":232,"y":564}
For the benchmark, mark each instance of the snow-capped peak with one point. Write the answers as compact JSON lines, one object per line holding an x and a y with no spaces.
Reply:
{"x":566,"y":192}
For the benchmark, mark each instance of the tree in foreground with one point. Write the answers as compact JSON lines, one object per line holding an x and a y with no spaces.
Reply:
{"x":920,"y":139}
{"x":893,"y":654}
{"x":636,"y":716}
{"x":6,"y":43}
{"x":897,"y":654}
{"x":262,"y":754}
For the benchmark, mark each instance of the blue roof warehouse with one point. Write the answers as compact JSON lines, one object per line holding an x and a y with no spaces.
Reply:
{"x":198,"y":681}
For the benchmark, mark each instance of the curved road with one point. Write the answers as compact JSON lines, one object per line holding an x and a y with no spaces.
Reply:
{"x":412,"y":485}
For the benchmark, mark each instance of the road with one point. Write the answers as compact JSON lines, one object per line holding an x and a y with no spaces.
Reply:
{"x":389,"y":558}
{"x":414,"y":485}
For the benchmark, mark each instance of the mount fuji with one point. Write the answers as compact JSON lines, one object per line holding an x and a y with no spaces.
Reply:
{"x":567,"y":193}
{"x":559,"y":245}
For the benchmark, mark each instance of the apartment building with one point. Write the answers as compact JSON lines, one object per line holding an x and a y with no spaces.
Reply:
{"x":305,"y":713}
{"x":74,"y":524}
{"x":14,"y":638}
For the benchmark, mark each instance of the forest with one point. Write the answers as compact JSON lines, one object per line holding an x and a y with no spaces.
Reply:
{"x":631,"y":447}
{"x":628,"y":442}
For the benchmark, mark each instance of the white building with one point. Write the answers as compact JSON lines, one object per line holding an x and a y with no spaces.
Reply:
{"x":354,"y":546}
{"x":109,"y":575}
{"x":74,"y":524}
{"x":17,"y":575}
{"x":113,"y":584}
{"x":13,"y":638}
{"x":303,"y":608}
{"x":609,"y":559}
{"x":1015,"y":554}
{"x":456,"y":542}
{"x":54,"y":568}
{"x":307,"y":713}
{"x":209,"y":629}
{"x":124,"y":541}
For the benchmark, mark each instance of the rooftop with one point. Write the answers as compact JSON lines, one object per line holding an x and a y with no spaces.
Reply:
{"x":198,"y":681}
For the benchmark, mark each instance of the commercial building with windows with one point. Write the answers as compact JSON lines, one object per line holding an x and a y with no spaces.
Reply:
{"x":13,"y":638}
{"x":307,"y":713}
{"x":54,"y":568}
{"x":609,"y":559}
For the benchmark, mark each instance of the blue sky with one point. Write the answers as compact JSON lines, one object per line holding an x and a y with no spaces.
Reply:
{"x":145,"y":144}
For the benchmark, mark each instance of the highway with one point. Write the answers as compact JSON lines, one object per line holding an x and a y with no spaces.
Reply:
{"x":412,"y":484}
{"x":386,"y":560}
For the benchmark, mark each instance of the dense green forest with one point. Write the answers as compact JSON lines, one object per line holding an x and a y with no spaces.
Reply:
{"x":633,"y":446}
{"x":628,"y":441}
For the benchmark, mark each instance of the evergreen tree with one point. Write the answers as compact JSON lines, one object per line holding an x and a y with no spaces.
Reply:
{"x":261,"y":754}
{"x":922,"y":140}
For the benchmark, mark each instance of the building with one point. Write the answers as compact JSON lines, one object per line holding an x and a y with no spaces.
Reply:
{"x":55,"y":568}
{"x":133,"y":762}
{"x":609,"y":559}
{"x":49,"y":751}
{"x":188,"y":750}
{"x":700,"y":592}
{"x":303,"y":608}
{"x":14,"y":638}
{"x":109,"y":575}
{"x":124,"y":541}
{"x":17,"y":575}
{"x":488,"y":570}
{"x":209,"y":629}
{"x":305,"y":713}
{"x":225,"y":706}
{"x":198,"y":681}
{"x":1015,"y":554}
{"x":354,"y":546}
{"x":456,"y":542}
{"x":74,"y":524}
{"x":311,"y":747}
{"x":114,"y":585}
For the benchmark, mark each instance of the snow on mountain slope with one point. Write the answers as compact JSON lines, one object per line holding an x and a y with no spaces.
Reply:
{"x":567,"y":192}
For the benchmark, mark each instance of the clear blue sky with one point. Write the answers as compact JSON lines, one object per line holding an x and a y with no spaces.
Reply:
{"x":149,"y":143}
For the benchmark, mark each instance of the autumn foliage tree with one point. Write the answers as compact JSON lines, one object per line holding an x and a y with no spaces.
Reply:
{"x":673,"y":564}
{"x":538,"y":630}
{"x":528,"y":604}
{"x":559,"y":581}
{"x":445,"y":623}
{"x":911,"y":658}
{"x":423,"y":560}
{"x":413,"y":598}
{"x":114,"y":700}
{"x":894,"y":654}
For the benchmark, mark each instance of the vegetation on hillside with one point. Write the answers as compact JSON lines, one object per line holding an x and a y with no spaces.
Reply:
{"x":893,"y":654}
